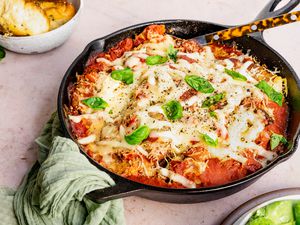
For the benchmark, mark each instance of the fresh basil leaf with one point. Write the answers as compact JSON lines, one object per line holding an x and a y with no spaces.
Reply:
{"x":212,"y":100}
{"x":137,"y":136}
{"x":95,"y":103}
{"x":276,"y":139}
{"x":125,"y":75}
{"x":2,"y":53}
{"x":270,"y":92}
{"x":199,"y":83}
{"x":173,"y":110}
{"x":213,"y":114}
{"x":155,"y":60}
{"x":172,"y":53}
{"x":208,"y":140}
{"x":235,"y":75}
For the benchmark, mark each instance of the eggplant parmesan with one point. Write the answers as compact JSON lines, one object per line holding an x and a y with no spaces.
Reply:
{"x":167,"y":112}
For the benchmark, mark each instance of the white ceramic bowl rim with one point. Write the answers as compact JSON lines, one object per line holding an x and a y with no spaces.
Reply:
{"x":52,"y":31}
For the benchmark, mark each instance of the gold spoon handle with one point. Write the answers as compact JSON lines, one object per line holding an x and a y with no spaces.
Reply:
{"x":256,"y":26}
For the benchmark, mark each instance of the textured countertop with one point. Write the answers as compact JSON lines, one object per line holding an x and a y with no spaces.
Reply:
{"x":29,"y":86}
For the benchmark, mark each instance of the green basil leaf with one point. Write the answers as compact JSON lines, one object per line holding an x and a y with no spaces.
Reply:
{"x":137,"y":136}
{"x":172,"y":53}
{"x":173,"y":110}
{"x":155,"y":60}
{"x":276,"y":139}
{"x":212,"y":100}
{"x":125,"y":75}
{"x":208,"y":140}
{"x":213,"y":114}
{"x":2,"y":53}
{"x":95,"y":103}
{"x":235,"y":75}
{"x":199,"y":83}
{"x":270,"y":92}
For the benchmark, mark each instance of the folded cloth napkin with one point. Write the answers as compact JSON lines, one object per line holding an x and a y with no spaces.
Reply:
{"x":53,"y":192}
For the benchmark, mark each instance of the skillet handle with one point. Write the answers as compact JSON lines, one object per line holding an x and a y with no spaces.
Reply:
{"x":123,"y":188}
{"x":269,"y":9}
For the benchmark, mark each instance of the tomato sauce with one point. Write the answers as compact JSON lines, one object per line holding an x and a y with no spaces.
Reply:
{"x":81,"y":129}
{"x":278,"y":126}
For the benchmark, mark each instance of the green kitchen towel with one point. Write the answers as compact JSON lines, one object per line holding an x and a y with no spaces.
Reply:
{"x":53,"y":192}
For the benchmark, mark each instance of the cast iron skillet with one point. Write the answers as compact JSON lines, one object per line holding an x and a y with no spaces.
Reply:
{"x":189,"y":29}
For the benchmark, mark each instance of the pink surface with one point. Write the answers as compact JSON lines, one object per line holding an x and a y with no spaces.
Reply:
{"x":29,"y":86}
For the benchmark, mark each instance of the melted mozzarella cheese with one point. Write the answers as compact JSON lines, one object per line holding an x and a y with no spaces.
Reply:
{"x":229,"y":63}
{"x":223,"y":153}
{"x":243,"y":70}
{"x":235,"y":127}
{"x":132,"y":62}
{"x":177,"y":178}
{"x":87,"y":140}
{"x":142,"y":150}
{"x":92,"y":116}
{"x":242,"y":135}
{"x":192,"y":100}
{"x":156,"y":109}
{"x":151,"y":122}
{"x":244,"y":131}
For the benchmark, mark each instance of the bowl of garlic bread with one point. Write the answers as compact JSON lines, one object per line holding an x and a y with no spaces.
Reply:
{"x":37,"y":26}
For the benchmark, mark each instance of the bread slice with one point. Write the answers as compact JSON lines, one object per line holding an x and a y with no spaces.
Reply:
{"x":21,"y":18}
{"x":58,"y":13}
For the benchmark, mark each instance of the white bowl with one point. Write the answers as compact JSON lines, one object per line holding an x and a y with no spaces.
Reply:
{"x":43,"y":42}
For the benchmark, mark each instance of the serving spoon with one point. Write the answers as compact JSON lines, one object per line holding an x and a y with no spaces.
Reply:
{"x":252,"y":27}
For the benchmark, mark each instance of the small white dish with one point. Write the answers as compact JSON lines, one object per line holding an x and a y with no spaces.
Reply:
{"x":43,"y":42}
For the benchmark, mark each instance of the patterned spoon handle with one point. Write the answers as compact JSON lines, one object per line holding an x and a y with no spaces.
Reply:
{"x":242,"y":30}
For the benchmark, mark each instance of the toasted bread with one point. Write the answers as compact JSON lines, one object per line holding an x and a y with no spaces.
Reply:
{"x":58,"y":13}
{"x":21,"y":18}
{"x":27,"y":17}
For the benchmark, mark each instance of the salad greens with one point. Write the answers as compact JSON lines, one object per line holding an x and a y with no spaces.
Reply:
{"x":296,"y":208}
{"x":286,"y":212}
